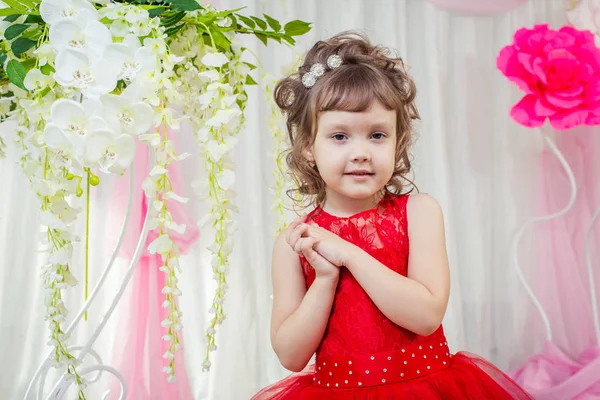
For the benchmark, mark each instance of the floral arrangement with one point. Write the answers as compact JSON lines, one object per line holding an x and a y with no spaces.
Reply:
{"x":84,"y":81}
{"x":559,"y":71}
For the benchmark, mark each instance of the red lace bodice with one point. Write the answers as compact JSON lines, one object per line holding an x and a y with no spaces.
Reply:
{"x":356,"y":326}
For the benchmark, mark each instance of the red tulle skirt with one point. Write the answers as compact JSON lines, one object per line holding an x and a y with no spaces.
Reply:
{"x":465,"y":377}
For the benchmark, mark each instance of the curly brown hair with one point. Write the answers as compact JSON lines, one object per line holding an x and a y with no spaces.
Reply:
{"x":367,"y":73}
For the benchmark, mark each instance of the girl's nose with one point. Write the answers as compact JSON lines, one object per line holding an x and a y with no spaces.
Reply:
{"x":361,"y":152}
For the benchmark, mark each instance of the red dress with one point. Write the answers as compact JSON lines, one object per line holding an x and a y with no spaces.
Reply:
{"x":364,"y":355}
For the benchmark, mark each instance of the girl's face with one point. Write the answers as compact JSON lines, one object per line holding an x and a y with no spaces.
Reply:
{"x":355,"y":151}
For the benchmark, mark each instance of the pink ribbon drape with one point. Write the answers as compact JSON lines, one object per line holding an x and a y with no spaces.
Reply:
{"x":139,"y":349}
{"x":569,"y":367}
{"x":479,"y":6}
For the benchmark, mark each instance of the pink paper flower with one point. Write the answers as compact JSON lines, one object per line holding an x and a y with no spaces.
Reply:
{"x":559,"y":71}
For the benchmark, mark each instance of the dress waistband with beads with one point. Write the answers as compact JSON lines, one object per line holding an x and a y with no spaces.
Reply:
{"x":410,"y":362}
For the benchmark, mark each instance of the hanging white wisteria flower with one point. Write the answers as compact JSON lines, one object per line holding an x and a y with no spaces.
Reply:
{"x":84,"y":80}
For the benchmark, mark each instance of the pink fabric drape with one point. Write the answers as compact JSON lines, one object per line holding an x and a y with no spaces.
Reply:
{"x":479,"y":6}
{"x":569,"y":367}
{"x":139,"y":350}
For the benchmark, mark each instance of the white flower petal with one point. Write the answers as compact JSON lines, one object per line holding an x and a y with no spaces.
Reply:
{"x":105,"y":75}
{"x":65,"y":34}
{"x":54,"y":137}
{"x":34,"y":78}
{"x":118,"y":53}
{"x":119,"y":28}
{"x":92,"y":107}
{"x":96,"y":144}
{"x":126,"y":151}
{"x":142,"y":117}
{"x":65,"y":112}
{"x":176,"y":197}
{"x":149,"y":186}
{"x":133,"y":42}
{"x":146,"y":58}
{"x":96,"y":123}
{"x":226,"y":180}
{"x":98,"y":36}
{"x":158,"y":170}
{"x":67,"y":62}
{"x":214,"y":59}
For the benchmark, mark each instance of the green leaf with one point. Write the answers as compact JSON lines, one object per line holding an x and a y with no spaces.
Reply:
{"x":47,"y":69}
{"x":183,"y":5}
{"x":16,"y":73}
{"x":2,"y":60}
{"x":16,"y":5}
{"x":221,"y":40}
{"x":174,"y":29}
{"x":12,"y":18}
{"x":29,"y":63}
{"x":155,"y":12}
{"x":9,"y":12}
{"x":34,"y":19}
{"x":173,"y":19}
{"x":15,"y":30}
{"x":29,"y":4}
{"x":296,"y":28}
{"x":249,"y":23}
{"x":262,"y":38}
{"x":251,"y":66}
{"x":21,"y":45}
{"x":250,"y":81}
{"x":273,"y":23}
{"x":225,"y":13}
{"x":262,"y":24}
{"x":289,"y":40}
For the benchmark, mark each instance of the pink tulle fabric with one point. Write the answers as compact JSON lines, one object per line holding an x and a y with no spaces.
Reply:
{"x":138,"y":352}
{"x":569,"y":367}
{"x":479,"y":6}
{"x":552,"y":374}
{"x":559,"y":71}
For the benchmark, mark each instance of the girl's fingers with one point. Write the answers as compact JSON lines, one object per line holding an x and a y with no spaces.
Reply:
{"x":293,"y":226}
{"x":304,"y":245}
{"x":297,"y":233}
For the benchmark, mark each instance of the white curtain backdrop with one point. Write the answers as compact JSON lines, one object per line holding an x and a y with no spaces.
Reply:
{"x":469,"y":155}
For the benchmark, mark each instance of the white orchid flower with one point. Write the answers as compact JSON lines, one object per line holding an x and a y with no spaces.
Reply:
{"x":132,"y":117}
{"x":53,"y":11}
{"x":140,"y":28}
{"x":120,"y":27}
{"x":80,"y":35}
{"x":45,"y":54}
{"x":56,"y":139}
{"x":92,"y":76}
{"x":157,"y":45}
{"x":109,"y":151}
{"x":75,"y":121}
{"x":130,"y":57}
{"x":35,"y":79}
{"x":135,"y":14}
{"x":114,"y":11}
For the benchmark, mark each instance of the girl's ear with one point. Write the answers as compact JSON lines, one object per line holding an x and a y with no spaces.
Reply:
{"x":308,"y":155}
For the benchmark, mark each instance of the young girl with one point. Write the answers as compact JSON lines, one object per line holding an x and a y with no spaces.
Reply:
{"x":363,"y":279}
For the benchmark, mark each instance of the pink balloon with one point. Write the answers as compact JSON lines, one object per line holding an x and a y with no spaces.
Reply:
{"x":479,"y":6}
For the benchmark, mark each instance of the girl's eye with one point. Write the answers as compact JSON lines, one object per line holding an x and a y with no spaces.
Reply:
{"x":378,"y":135}
{"x":339,"y":137}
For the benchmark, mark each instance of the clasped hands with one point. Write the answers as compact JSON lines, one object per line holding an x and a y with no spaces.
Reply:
{"x":324,"y":250}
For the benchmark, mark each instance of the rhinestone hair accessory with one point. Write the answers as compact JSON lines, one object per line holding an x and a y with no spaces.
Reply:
{"x":317,"y":70}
